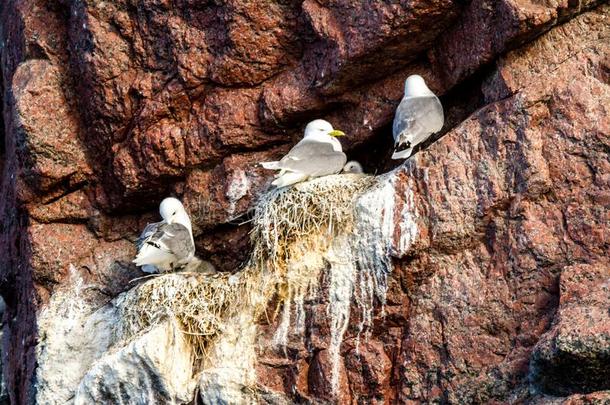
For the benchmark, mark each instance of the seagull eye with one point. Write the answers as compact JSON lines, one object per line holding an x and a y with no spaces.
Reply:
{"x":174,"y":213}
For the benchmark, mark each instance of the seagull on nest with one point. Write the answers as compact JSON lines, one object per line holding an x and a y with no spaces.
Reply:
{"x":318,"y":154}
{"x":168,"y":245}
{"x":419,"y":115}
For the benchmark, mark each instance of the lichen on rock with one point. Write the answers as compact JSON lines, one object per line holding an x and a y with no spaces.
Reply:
{"x":153,"y":368}
{"x":76,"y":332}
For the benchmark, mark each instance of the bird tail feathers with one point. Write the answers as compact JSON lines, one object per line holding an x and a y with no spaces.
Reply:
{"x":403,"y":154}
{"x":151,"y":255}
{"x":271,"y":165}
{"x":289,"y":178}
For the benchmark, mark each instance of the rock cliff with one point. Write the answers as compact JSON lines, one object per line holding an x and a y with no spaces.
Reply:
{"x":495,"y":287}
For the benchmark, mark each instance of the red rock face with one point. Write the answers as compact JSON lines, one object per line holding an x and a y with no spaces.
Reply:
{"x":110,"y":106}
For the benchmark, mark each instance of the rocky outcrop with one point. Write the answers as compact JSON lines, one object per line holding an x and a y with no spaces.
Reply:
{"x":573,"y":357}
{"x":155,"y":368}
{"x":499,"y":293}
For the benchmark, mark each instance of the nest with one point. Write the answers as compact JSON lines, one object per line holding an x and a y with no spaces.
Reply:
{"x":200,"y":303}
{"x":309,"y":213}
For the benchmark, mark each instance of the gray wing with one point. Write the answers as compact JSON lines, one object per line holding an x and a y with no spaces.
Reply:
{"x":313,"y":158}
{"x":417,"y":118}
{"x":174,"y":239}
{"x":148,"y":231}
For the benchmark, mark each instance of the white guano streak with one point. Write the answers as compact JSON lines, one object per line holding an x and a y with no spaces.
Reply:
{"x":238,"y":187}
{"x":342,"y":276}
{"x":359,"y":263}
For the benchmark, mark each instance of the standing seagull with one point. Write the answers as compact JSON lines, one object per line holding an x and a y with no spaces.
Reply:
{"x":419,"y":115}
{"x":318,"y":154}
{"x":167,"y":245}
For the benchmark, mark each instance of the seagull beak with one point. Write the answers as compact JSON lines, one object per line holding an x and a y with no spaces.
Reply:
{"x":336,"y":132}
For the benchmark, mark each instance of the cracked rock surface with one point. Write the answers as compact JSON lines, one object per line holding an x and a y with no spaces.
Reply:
{"x":503,"y":295}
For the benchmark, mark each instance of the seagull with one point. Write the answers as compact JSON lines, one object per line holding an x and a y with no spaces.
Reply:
{"x":353,"y":167}
{"x":318,"y":154}
{"x":419,"y":115}
{"x":167,"y":245}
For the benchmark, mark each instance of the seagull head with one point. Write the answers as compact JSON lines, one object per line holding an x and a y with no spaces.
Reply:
{"x":415,"y":86}
{"x":353,"y":167}
{"x":321,"y":127}
{"x":172,"y":211}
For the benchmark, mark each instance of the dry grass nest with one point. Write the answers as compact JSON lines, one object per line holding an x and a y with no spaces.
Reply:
{"x":310,"y":213}
{"x":200,"y":303}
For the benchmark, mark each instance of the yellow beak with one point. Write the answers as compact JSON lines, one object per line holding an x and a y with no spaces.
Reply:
{"x":336,"y":132}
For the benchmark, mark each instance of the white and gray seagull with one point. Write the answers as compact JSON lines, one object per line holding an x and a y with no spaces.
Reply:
{"x":318,"y":154}
{"x":353,"y":167}
{"x":167,"y":245}
{"x":419,"y":115}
